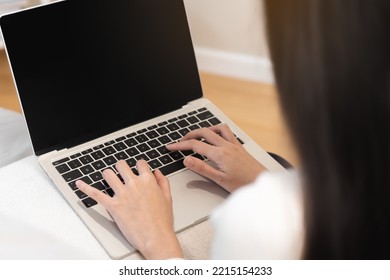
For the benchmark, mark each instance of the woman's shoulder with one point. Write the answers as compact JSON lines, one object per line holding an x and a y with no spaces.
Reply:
{"x":263,"y":220}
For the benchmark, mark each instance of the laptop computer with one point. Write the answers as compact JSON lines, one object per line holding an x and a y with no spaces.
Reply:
{"x":100,"y":81}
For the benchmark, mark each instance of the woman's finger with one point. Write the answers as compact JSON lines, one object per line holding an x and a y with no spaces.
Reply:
{"x":194,"y":145}
{"x":206,"y":133}
{"x":143,"y":167}
{"x":94,"y":193}
{"x":202,"y":168}
{"x":113,"y":180}
{"x":125,"y":171}
{"x":163,"y":183}
{"x":225,"y":133}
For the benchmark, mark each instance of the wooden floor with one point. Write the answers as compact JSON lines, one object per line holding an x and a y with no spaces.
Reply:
{"x":252,"y":106}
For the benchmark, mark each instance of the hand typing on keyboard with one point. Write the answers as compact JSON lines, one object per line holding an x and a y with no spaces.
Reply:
{"x":235,"y":167}
{"x":142,"y":209}
{"x":140,"y":202}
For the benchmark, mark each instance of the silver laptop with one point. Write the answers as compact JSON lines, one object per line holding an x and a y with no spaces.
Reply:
{"x":100,"y":81}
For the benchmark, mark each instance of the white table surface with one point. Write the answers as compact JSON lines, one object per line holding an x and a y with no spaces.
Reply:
{"x":28,"y":196}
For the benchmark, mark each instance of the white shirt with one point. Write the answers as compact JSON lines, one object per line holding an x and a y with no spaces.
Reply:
{"x":263,"y":220}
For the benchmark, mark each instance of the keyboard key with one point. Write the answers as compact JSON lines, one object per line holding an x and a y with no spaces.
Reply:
{"x":120,"y":146}
{"x":58,"y":162}
{"x":143,"y":148}
{"x":87,"y":169}
{"x":142,"y":138}
{"x":187,"y":153}
{"x":193,"y":127}
{"x":97,"y":155}
{"x":86,"y":180}
{"x":120,"y":177}
{"x":192,"y":113}
{"x":80,"y":194}
{"x":120,"y":139}
{"x":154,"y":144}
{"x":154,"y":164}
{"x":193,"y":120}
{"x":204,"y":124}
{"x":182,"y":116}
{"x":198,"y":156}
{"x":131,"y":142}
{"x":62,"y":168}
{"x":141,"y":131}
{"x":174,"y":136}
{"x":87,"y":152}
{"x":110,"y":192}
{"x":163,"y":150}
{"x":135,"y":171}
{"x":131,"y":135}
{"x":176,"y":155}
{"x":172,"y":120}
{"x":172,"y":167}
{"x":152,"y":127}
{"x":74,"y":164}
{"x":72,"y":175}
{"x":73,"y":186}
{"x":183,"y":123}
{"x":110,"y":160}
{"x":153,"y":154}
{"x":106,"y":184}
{"x":184,"y":131}
{"x":98,"y":147}
{"x":164,"y":139}
{"x":215,"y":121}
{"x":202,"y":109}
{"x":109,"y":143}
{"x":89,"y":202}
{"x":75,"y":156}
{"x":173,"y":127}
{"x":109,"y":151}
{"x":98,"y":165}
{"x":99,"y":186}
{"x":132,"y":152}
{"x":205,"y":115}
{"x":162,"y":130}
{"x":121,"y":155}
{"x":165,"y":159}
{"x":86,"y":159}
{"x":152,"y":134}
{"x":97,"y":176}
{"x":162,"y":123}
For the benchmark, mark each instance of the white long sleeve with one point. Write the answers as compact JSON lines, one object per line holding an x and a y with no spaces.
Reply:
{"x":263,"y":220}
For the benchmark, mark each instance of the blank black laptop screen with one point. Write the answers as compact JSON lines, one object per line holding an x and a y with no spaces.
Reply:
{"x":87,"y":68}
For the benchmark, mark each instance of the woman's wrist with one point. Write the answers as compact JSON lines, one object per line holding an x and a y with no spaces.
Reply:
{"x":163,"y":248}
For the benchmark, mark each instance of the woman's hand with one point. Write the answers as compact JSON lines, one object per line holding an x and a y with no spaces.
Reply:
{"x":235,"y":167}
{"x":142,"y":209}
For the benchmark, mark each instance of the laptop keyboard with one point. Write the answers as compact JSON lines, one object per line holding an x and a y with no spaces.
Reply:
{"x":148,"y":144}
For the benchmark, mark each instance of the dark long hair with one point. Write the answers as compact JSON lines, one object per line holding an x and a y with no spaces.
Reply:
{"x":332,"y":66}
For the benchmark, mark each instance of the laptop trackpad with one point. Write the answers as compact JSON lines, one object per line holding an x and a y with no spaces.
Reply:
{"x":194,"y":198}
